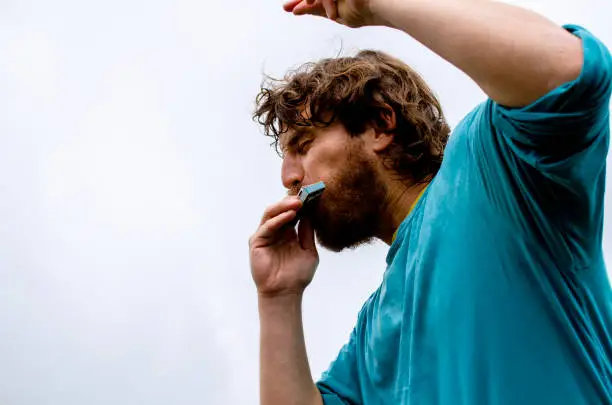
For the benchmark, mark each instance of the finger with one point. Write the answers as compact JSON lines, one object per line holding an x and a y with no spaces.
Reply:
{"x":306,"y":235}
{"x":330,"y":9}
{"x":290,"y":5}
{"x":315,"y":8}
{"x":270,"y":229}
{"x":286,"y":204}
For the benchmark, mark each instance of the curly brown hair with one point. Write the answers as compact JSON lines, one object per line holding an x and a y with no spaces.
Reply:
{"x":359,"y":92}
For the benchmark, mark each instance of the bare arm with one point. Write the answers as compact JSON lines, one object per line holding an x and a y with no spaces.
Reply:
{"x":285,"y":373}
{"x":515,"y":55}
{"x":283,"y":263}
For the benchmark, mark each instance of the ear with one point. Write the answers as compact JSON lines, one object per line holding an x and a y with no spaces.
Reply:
{"x":383,"y":128}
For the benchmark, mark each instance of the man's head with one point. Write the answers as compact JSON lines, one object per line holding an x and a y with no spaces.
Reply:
{"x":360,"y":124}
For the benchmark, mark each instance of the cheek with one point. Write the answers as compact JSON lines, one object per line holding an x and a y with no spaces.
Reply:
{"x":324,"y":163}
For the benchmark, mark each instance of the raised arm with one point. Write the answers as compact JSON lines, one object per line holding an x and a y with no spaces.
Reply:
{"x":515,"y":55}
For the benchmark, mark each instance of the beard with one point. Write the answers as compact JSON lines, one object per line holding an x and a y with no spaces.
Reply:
{"x":350,"y":211}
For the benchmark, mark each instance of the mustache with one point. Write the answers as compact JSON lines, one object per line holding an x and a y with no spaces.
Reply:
{"x":294,"y":190}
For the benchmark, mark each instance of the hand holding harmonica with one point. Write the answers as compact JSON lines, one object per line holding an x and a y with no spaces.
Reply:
{"x":283,"y":259}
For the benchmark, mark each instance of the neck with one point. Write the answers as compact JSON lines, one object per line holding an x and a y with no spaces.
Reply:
{"x":400,"y":202}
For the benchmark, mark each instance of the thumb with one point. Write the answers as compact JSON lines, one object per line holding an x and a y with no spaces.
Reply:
{"x":306,"y":235}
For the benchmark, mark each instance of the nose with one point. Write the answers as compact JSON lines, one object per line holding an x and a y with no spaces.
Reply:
{"x":292,"y":173}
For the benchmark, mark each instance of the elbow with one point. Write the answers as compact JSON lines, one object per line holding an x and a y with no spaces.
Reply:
{"x":567,"y":65}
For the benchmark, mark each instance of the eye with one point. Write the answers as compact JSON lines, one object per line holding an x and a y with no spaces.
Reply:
{"x":302,"y":147}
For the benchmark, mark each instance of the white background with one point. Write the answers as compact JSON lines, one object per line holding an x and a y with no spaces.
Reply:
{"x":131,"y":176}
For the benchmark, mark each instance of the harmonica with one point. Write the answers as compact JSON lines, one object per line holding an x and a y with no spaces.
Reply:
{"x":311,"y":192}
{"x":307,"y":194}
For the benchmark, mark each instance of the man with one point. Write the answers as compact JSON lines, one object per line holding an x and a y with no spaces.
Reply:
{"x":496,"y":290}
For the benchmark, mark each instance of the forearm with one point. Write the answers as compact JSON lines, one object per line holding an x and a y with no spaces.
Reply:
{"x":285,"y":377}
{"x":514,"y":55}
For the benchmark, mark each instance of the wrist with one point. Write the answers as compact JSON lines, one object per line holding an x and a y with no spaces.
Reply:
{"x":279,"y":298}
{"x":286,"y":302}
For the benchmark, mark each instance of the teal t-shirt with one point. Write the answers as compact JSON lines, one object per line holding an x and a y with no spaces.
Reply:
{"x":496,"y":291}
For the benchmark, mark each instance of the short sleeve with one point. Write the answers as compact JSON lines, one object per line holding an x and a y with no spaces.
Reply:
{"x":340,"y":384}
{"x":549,"y":158}
{"x":573,"y":113}
{"x":569,"y":120}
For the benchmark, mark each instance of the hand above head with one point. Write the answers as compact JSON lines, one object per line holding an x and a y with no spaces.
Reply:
{"x":352,"y":13}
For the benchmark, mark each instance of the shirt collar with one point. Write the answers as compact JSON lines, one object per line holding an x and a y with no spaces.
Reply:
{"x":414,"y":203}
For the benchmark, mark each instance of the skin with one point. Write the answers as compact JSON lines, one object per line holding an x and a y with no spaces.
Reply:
{"x":514,"y":55}
{"x":346,"y":164}
{"x":363,"y":200}
{"x":284,"y":260}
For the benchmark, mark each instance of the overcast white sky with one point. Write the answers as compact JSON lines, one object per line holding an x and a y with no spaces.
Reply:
{"x":131,"y":176}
